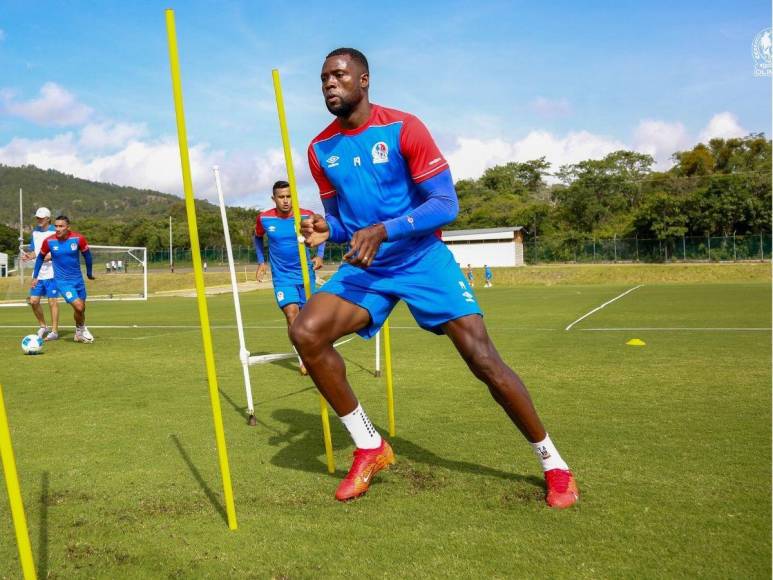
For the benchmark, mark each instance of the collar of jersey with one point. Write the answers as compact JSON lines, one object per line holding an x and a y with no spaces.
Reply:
{"x":374,"y":109}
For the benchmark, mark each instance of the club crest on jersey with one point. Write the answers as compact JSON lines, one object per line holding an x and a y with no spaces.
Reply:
{"x":380,"y":152}
{"x":332,"y":161}
{"x":280,"y":295}
{"x":73,"y":246}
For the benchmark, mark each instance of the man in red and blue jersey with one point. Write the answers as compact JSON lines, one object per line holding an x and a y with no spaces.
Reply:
{"x":278,"y":225}
{"x":386,"y":189}
{"x":66,"y":247}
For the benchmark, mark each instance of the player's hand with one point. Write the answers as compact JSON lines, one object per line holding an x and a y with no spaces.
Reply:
{"x":33,"y":282}
{"x":27,"y":256}
{"x":364,"y":245}
{"x":261,"y":272}
{"x":314,"y":230}
{"x":316,"y":261}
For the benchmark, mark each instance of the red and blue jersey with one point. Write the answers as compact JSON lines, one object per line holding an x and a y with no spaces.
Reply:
{"x":65,"y":255}
{"x":374,"y":172}
{"x":283,"y":246}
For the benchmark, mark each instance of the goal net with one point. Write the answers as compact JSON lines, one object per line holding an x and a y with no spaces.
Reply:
{"x":121,"y":273}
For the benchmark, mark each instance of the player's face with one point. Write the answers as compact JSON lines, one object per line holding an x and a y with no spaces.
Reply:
{"x":43,"y":222}
{"x":62,"y":228}
{"x":283,"y":200}
{"x":344,"y":84}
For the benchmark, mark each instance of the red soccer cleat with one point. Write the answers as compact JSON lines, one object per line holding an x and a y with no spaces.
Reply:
{"x":562,"y":488}
{"x":366,"y":464}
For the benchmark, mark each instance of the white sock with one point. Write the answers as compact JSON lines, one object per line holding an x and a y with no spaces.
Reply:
{"x":548,"y":455}
{"x":361,"y":429}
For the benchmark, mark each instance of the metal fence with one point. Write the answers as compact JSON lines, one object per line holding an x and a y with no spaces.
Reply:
{"x":683,"y":249}
{"x":540,"y":250}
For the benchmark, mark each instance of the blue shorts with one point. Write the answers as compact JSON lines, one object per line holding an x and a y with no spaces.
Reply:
{"x":291,"y":294}
{"x":45,"y":288}
{"x":433,"y":287}
{"x":71,"y":291}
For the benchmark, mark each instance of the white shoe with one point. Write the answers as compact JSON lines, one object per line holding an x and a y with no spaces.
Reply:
{"x":43,"y":331}
{"x":86,"y":336}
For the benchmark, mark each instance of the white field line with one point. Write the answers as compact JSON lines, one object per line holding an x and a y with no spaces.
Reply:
{"x":265,"y":358}
{"x":679,"y":329}
{"x":608,"y":302}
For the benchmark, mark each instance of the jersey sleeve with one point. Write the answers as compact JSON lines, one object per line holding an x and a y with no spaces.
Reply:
{"x":44,"y":249}
{"x":326,"y":188}
{"x":420,"y":151}
{"x":83,"y":245}
{"x":259,"y":231}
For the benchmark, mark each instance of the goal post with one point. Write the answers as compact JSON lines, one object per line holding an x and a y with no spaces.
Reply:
{"x":121,"y":273}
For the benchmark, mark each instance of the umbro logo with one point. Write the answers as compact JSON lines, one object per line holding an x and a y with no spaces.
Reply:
{"x":272,"y":228}
{"x":332,"y":161}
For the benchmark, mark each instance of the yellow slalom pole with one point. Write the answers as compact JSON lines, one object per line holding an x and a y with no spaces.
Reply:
{"x":14,"y":495}
{"x":390,"y":391}
{"x":280,"y":108}
{"x":193,"y":232}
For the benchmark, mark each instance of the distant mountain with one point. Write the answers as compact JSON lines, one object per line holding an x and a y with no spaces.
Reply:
{"x":78,"y":198}
{"x":111,"y":214}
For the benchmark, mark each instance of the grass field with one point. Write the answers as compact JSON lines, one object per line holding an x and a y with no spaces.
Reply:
{"x":671,"y":444}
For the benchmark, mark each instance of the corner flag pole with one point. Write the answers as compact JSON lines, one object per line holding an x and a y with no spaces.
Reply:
{"x":280,"y":107}
{"x":14,"y":495}
{"x":190,"y":208}
{"x":244,"y":354}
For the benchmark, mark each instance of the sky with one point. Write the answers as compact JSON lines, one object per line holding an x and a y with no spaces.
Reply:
{"x":85,"y":86}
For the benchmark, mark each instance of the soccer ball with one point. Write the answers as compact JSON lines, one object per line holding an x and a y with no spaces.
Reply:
{"x":32,"y":344}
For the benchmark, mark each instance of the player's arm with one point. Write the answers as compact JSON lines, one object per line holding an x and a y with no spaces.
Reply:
{"x":84,"y":248}
{"x":38,"y":264}
{"x":439,"y":208}
{"x":262,"y":266}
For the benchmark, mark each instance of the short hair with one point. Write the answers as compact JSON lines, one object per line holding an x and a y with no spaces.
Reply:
{"x":281,"y":184}
{"x":353,"y":53}
{"x":63,"y":218}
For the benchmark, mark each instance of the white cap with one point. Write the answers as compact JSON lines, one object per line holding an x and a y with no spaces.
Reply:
{"x":43,"y":212}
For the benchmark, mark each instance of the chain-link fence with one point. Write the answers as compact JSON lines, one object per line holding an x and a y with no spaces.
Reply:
{"x":540,"y":250}
{"x":683,"y":249}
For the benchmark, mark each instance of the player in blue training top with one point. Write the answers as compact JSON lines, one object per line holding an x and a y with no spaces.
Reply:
{"x":386,"y":189}
{"x":65,"y":247}
{"x":46,"y":285}
{"x":488,"y":274}
{"x":278,"y":225}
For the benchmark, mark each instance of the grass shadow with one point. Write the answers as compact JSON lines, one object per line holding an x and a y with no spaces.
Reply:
{"x":301,"y":448}
{"x":43,"y":529}
{"x":211,"y":495}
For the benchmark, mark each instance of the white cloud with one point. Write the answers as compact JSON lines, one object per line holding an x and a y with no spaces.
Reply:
{"x":56,"y":106}
{"x":473,"y":156}
{"x":155,"y":164}
{"x":108,"y":135}
{"x":724,"y":126}
{"x":551,"y":107}
{"x":661,"y":140}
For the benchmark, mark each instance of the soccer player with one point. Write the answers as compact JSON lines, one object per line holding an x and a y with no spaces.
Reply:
{"x":386,"y":189}
{"x":470,"y":276}
{"x":46,"y":285}
{"x":65,"y":247}
{"x":488,"y":274}
{"x":278,"y":225}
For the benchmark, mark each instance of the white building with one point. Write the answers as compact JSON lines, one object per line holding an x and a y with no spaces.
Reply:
{"x":496,"y":247}
{"x":3,"y":265}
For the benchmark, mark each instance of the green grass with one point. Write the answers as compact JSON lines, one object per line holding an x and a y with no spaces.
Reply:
{"x":671,"y":444}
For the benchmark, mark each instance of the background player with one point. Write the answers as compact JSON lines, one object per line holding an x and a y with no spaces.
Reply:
{"x":46,"y":285}
{"x":65,"y":247}
{"x":386,"y":189}
{"x":278,"y":225}
{"x":470,"y":275}
{"x":489,"y":276}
